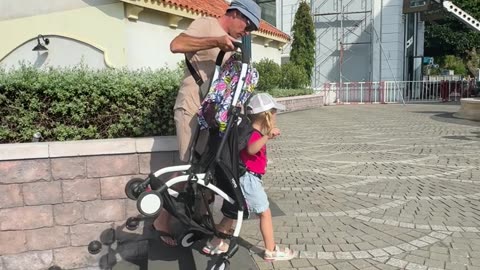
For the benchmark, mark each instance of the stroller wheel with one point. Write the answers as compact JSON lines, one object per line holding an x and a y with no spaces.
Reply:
{"x":94,"y":247}
{"x":132,"y":223}
{"x":221,"y":264}
{"x":149,"y":203}
{"x":188,"y":239}
{"x":132,"y":189}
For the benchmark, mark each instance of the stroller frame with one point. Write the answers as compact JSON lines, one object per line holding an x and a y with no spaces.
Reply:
{"x":150,"y":202}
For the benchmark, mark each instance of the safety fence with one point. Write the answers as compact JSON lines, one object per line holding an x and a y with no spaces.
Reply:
{"x":397,"y":91}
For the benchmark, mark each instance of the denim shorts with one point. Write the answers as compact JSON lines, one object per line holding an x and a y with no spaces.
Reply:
{"x":254,"y":193}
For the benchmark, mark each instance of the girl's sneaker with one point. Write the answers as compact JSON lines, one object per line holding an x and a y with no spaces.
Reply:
{"x":211,"y":249}
{"x":279,"y":254}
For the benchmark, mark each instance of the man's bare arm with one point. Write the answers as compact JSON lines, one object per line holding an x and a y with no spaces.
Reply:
{"x":184,"y":43}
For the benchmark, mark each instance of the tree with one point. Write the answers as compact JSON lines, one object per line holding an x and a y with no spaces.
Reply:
{"x":270,"y":74}
{"x":303,"y":45}
{"x":451,"y":36}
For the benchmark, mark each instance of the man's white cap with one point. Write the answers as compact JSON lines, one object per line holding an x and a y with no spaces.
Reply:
{"x":263,"y":102}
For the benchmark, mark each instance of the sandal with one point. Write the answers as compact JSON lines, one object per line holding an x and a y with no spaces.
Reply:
{"x":279,"y":254}
{"x":211,"y":249}
{"x":166,"y":238}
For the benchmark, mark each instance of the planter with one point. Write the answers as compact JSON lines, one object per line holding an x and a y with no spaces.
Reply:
{"x":470,"y":109}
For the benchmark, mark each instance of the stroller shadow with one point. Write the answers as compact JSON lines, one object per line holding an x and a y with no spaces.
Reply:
{"x":161,"y":257}
{"x":123,"y":248}
{"x":141,"y":249}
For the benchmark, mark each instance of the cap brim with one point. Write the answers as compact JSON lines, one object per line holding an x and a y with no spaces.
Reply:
{"x":279,"y":106}
{"x":248,"y":14}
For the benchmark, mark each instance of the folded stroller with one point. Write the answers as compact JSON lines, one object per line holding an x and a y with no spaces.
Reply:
{"x":216,"y":171}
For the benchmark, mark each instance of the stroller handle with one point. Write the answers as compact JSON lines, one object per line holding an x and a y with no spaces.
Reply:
{"x":238,"y":45}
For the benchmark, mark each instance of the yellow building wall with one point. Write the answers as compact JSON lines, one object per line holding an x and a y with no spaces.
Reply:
{"x":102,"y":27}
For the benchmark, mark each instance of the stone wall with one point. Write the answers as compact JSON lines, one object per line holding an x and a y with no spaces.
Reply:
{"x":56,"y":197}
{"x":51,"y":208}
{"x":302,"y":102}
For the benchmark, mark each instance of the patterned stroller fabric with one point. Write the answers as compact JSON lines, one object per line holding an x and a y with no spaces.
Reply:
{"x":214,"y":109}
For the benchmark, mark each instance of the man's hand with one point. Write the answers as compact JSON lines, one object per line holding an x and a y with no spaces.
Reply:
{"x":225,"y":43}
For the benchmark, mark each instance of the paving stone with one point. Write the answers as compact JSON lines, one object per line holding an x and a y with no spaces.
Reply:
{"x":455,"y":266}
{"x":435,"y":263}
{"x":298,"y":263}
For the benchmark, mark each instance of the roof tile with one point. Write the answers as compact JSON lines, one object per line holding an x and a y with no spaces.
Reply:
{"x":216,"y":8}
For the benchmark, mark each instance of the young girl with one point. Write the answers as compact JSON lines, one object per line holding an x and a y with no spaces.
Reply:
{"x":262,"y":110}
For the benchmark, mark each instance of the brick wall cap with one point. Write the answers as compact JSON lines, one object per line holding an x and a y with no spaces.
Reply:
{"x":38,"y":150}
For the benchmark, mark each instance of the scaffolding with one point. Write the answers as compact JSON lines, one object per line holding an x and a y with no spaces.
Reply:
{"x":344,"y":41}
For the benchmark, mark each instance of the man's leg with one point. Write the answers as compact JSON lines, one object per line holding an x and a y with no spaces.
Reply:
{"x":185,"y":126}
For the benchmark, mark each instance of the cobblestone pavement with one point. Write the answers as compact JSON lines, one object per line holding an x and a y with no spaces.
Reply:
{"x":375,"y":187}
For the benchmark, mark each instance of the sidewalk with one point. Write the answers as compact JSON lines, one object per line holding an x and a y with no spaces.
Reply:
{"x":375,"y":187}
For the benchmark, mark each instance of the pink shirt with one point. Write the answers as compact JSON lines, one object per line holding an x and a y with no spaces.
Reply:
{"x":256,"y":163}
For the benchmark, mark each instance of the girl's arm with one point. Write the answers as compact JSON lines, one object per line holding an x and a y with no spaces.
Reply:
{"x":253,"y":148}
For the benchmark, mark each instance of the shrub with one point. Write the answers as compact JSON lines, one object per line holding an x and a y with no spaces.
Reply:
{"x":454,"y":63}
{"x":78,"y":103}
{"x":269,"y":74}
{"x":291,"y":92}
{"x":293,"y":76}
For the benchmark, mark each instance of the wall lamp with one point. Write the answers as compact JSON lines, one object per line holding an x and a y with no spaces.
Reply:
{"x":39,"y":47}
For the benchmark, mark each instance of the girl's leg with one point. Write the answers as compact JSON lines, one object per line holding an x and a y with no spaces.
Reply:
{"x":266,"y":228}
{"x":272,"y":251}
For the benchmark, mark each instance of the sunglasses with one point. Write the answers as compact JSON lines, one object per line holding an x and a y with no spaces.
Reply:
{"x":250,"y":27}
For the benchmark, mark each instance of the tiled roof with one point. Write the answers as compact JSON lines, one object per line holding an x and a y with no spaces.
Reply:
{"x":216,"y":8}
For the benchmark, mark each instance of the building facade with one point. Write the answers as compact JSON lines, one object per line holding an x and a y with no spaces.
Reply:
{"x":110,"y":33}
{"x":360,"y":40}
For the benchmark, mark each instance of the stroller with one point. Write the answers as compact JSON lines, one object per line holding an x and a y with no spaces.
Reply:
{"x":214,"y":172}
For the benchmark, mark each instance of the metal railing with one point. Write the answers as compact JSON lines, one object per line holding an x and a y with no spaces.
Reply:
{"x":396,"y":92}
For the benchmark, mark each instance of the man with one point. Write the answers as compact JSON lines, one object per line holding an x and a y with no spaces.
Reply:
{"x":201,"y":43}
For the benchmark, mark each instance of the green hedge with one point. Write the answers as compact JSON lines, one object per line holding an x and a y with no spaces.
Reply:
{"x":79,"y":103}
{"x":270,"y":75}
{"x":279,"y":92}
{"x":274,"y":76}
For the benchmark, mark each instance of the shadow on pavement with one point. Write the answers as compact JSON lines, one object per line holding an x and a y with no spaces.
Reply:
{"x":447,"y":117}
{"x":475,"y":137}
{"x":141,"y":249}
